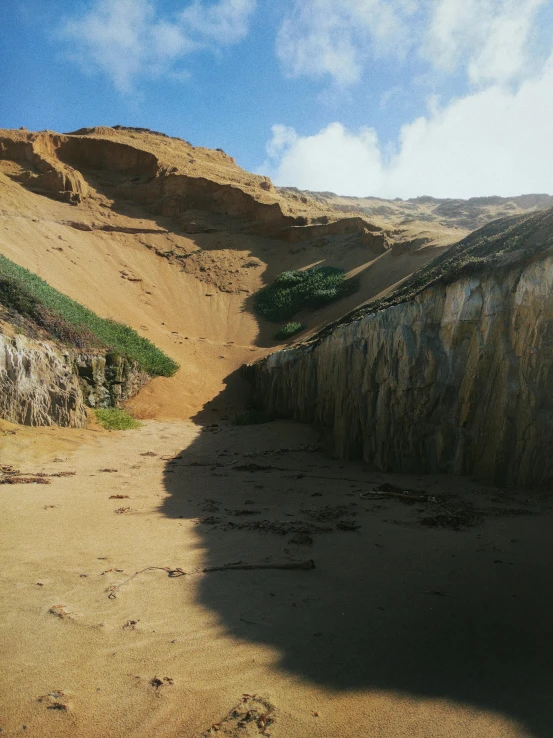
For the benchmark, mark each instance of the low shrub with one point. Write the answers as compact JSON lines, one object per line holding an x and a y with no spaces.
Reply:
{"x":289,"y":330}
{"x":114,"y":418}
{"x":72,"y":323}
{"x":293,"y":291}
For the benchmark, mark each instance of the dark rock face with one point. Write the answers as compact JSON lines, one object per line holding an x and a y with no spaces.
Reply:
{"x":456,"y":380}
{"x":41,"y":384}
{"x":106,"y":381}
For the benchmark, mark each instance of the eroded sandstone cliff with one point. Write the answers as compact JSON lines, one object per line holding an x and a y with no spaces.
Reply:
{"x":174,"y":240}
{"x":38,"y":385}
{"x":455,"y":378}
{"x":42,"y":384}
{"x":203,"y":191}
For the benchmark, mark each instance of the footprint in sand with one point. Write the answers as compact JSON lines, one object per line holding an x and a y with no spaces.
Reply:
{"x":55,"y":700}
{"x":252,"y":716}
{"x":60,"y":611}
{"x":63,"y":612}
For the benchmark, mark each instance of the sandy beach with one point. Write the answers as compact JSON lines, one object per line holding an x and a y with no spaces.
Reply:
{"x":404,"y":628}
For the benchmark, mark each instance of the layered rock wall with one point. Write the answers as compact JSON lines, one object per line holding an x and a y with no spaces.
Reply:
{"x":456,"y":380}
{"x":40,"y":384}
{"x":42,"y":170}
{"x":60,"y":166}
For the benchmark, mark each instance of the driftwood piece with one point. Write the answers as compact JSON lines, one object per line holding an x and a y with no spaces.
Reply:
{"x":400,"y":495}
{"x":309,"y":564}
{"x":178,"y":572}
{"x":23,"y":480}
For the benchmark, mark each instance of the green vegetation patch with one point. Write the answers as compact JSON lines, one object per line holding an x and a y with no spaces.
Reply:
{"x":114,"y":418}
{"x":293,"y":291}
{"x":289,"y":330}
{"x":72,"y":323}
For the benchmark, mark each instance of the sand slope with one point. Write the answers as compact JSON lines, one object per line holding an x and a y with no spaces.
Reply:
{"x":197,"y":306}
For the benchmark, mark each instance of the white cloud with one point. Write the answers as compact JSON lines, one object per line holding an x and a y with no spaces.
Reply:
{"x":283,"y":139}
{"x":319,"y":37}
{"x":332,"y":160}
{"x":168,"y":41}
{"x":225,"y":22}
{"x":491,"y":142}
{"x":110,"y":37}
{"x":125,"y":38}
{"x":489,"y":39}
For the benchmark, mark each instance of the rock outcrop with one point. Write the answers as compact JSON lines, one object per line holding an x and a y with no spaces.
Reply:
{"x":203,"y":191}
{"x":57,"y":165}
{"x":41,"y":384}
{"x":108,"y":379}
{"x":38,"y":385}
{"x":41,"y":170}
{"x":455,"y":379}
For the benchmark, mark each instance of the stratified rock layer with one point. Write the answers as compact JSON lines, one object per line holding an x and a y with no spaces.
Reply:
{"x":456,"y":380}
{"x":38,"y":385}
{"x":169,"y":183}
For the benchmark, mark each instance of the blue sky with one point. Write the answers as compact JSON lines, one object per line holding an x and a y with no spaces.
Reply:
{"x":452,"y":98}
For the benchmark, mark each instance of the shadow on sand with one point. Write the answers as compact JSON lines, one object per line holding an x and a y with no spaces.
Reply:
{"x":462,"y":616}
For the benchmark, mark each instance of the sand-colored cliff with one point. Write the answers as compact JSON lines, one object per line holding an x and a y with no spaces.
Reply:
{"x":454,"y":378}
{"x":38,"y":385}
{"x":173,"y":240}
